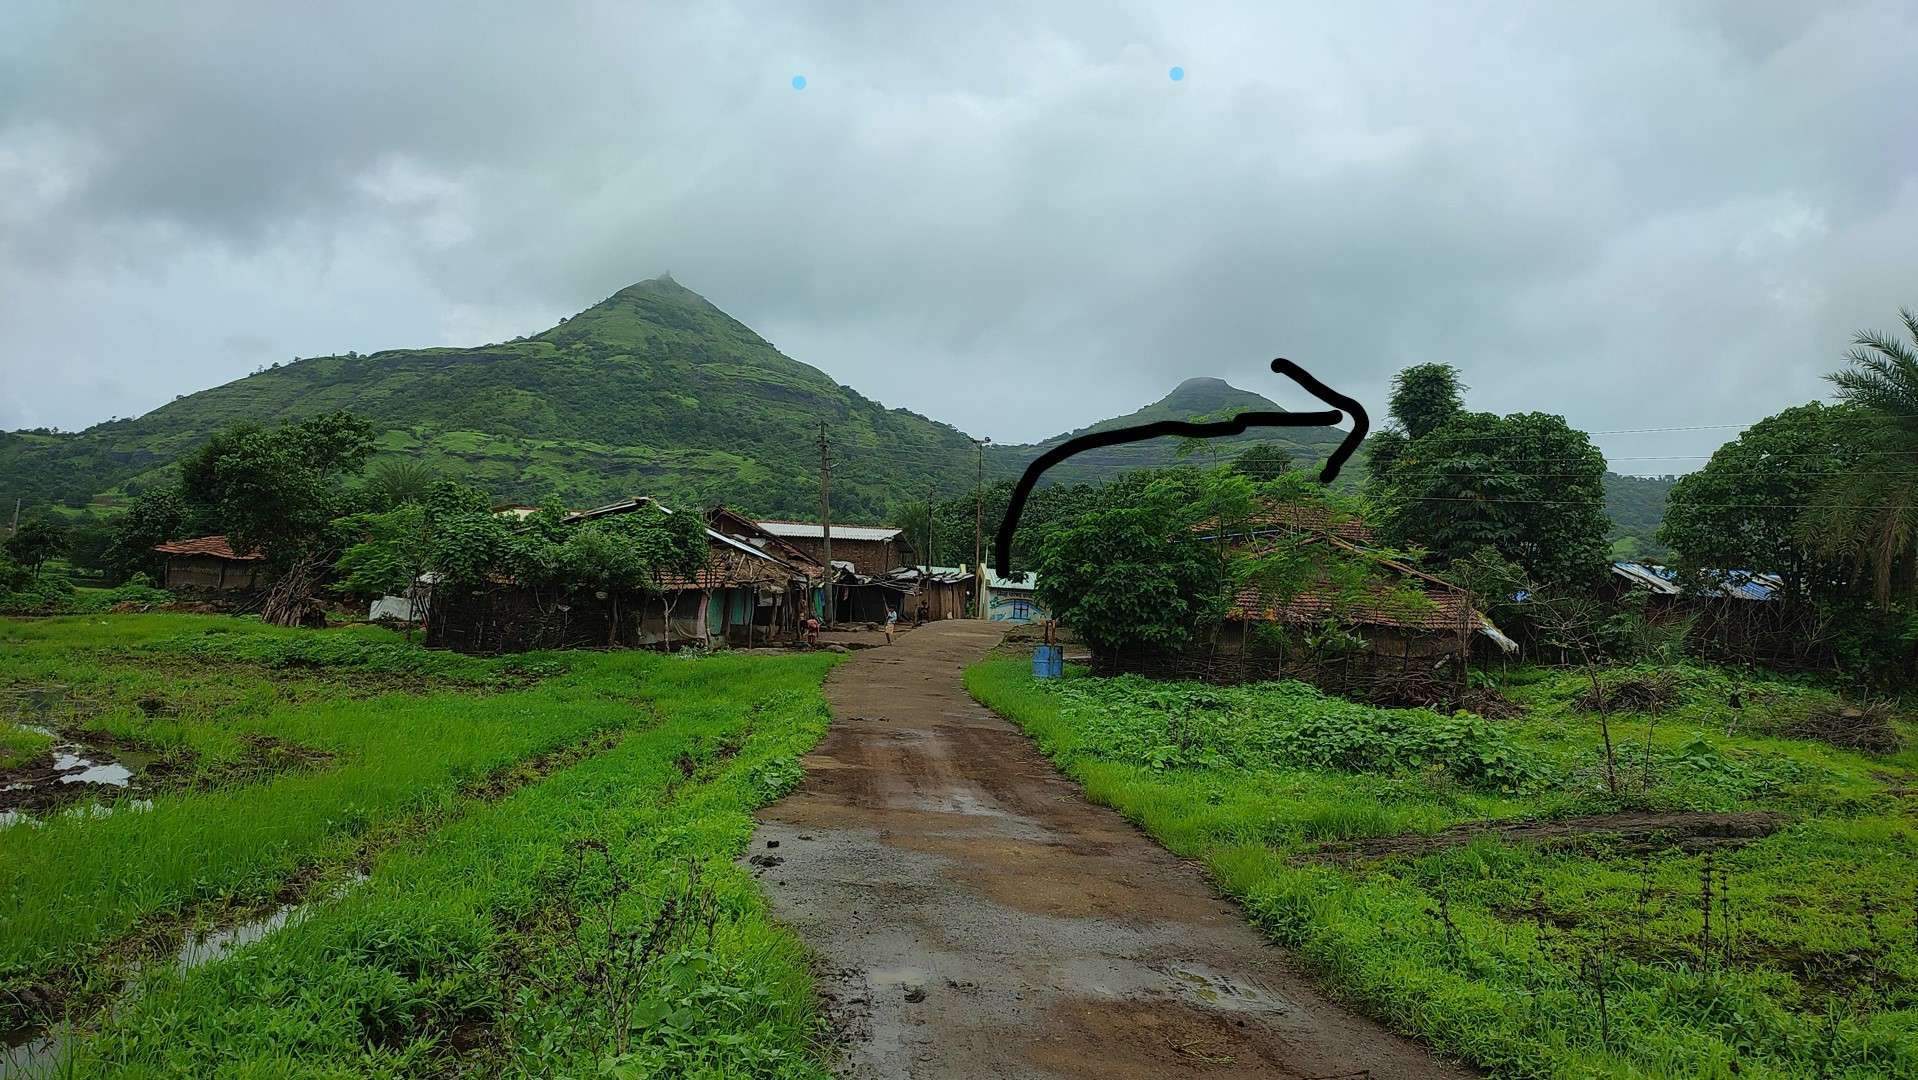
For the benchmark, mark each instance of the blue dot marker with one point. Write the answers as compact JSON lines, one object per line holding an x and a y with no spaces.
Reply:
{"x":799,"y":82}
{"x":1177,"y":73}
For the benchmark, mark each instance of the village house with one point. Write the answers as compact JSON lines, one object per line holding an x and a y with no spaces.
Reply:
{"x":1405,"y":627}
{"x":1014,"y":599}
{"x":871,"y":549}
{"x":208,"y":564}
{"x":744,"y":595}
{"x":944,"y":591}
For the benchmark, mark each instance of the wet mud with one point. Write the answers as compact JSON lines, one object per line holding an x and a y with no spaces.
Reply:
{"x":972,"y":914}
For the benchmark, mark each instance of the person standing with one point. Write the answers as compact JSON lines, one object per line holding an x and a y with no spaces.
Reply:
{"x":892,"y":618}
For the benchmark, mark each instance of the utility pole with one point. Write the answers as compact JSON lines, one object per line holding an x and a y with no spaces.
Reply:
{"x":825,"y":523}
{"x":925,"y":583}
{"x":979,"y":523}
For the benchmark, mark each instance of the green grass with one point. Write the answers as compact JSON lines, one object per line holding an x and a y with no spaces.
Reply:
{"x":19,"y":745}
{"x":481,"y":938}
{"x":1496,"y":952}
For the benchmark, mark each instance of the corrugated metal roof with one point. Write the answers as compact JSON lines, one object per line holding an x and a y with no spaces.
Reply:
{"x":215,"y":546}
{"x":813,"y":531}
{"x":1017,"y":583}
{"x":1737,"y":584}
{"x":1655,"y":579}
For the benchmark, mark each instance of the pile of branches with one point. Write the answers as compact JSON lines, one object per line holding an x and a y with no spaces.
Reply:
{"x":1649,"y":693}
{"x":289,"y":602}
{"x":1851,"y":726}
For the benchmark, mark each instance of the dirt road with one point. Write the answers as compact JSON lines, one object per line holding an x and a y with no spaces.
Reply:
{"x":975,"y":916}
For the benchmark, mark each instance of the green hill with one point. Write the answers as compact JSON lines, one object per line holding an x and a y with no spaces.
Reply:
{"x":1193,"y":398}
{"x":654,"y":391}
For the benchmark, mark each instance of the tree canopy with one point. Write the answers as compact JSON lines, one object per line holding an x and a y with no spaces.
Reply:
{"x":277,"y":489}
{"x":1526,"y":485}
{"x":1745,"y":508}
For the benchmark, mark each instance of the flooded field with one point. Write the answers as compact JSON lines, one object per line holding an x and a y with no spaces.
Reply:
{"x":404,"y":845}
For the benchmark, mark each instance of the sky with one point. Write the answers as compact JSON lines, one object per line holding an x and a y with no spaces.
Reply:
{"x":1011,"y":217}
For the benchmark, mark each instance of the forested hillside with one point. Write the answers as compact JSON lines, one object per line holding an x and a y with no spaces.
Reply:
{"x":1636,"y":505}
{"x":653,"y":391}
{"x":1208,"y":398}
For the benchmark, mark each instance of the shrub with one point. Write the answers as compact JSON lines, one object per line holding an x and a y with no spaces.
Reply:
{"x":1288,"y":724}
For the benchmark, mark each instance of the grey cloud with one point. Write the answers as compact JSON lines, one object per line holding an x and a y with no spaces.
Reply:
{"x":1638,"y":216}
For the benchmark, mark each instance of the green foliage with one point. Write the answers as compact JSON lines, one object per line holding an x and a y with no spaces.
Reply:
{"x":1287,"y":724}
{"x":154,"y":518}
{"x":140,"y":591}
{"x":1494,"y":950}
{"x":25,"y":592}
{"x":394,"y":483}
{"x":653,"y":391}
{"x":1744,"y":510}
{"x":1131,"y":576}
{"x":626,"y":553}
{"x":1475,"y":480}
{"x":277,"y":490}
{"x":511,"y":842}
{"x":1636,"y":505}
{"x":1871,"y":514}
{"x":36,"y":541}
{"x":389,"y":555}
{"x":1426,"y":397}
{"x":1263,"y":461}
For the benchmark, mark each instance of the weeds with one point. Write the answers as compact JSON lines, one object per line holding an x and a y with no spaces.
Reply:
{"x":1567,"y":955}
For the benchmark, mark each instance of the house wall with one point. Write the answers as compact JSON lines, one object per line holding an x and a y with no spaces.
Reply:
{"x":202,"y":573}
{"x":511,"y":618}
{"x":868,"y":557}
{"x":1010,"y":605}
{"x":943,"y":599}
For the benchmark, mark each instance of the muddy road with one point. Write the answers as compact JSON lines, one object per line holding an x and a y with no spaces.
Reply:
{"x":975,"y":916}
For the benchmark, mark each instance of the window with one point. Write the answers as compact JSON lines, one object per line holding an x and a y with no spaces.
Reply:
{"x":1022,"y":609}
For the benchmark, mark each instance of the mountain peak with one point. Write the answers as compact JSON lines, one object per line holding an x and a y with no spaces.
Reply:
{"x":1208,"y":395}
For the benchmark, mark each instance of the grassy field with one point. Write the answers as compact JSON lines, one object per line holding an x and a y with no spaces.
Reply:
{"x":1742,"y":905}
{"x":520,"y":866}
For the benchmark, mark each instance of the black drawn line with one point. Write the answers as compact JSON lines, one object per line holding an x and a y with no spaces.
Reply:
{"x":1345,"y":406}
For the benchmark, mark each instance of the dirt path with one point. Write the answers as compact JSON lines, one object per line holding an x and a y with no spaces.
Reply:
{"x":975,"y":916}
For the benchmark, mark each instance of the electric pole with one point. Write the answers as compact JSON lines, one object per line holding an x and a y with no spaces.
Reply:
{"x":825,"y":523}
{"x":979,"y":523}
{"x":925,"y":583}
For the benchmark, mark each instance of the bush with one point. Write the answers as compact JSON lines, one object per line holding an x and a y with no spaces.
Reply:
{"x":1288,"y":724}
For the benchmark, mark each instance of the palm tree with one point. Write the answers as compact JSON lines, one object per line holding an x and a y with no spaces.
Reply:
{"x":1873,"y":511}
{"x":395,"y":482}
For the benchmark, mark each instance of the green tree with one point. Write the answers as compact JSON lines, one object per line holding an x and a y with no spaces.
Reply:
{"x":36,"y":541}
{"x":1744,"y":509}
{"x":1526,"y":485}
{"x":157,"y":516}
{"x":1131,"y":576}
{"x":389,"y":554}
{"x":1263,"y":461}
{"x":1426,"y":397}
{"x":399,"y":482}
{"x":1871,"y":512}
{"x":277,"y":489}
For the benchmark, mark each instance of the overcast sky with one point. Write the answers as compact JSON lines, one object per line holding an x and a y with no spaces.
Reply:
{"x":1010,"y":217}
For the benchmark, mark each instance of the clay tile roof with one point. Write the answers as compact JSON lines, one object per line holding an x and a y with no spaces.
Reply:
{"x":1316,"y":519}
{"x":1314,"y":605}
{"x":215,"y":546}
